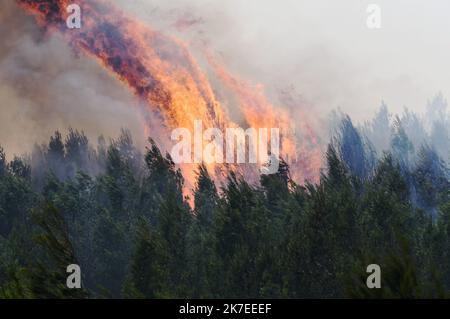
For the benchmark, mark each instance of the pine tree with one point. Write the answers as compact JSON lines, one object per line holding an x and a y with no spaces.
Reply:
{"x":149,"y":274}
{"x":431,"y":179}
{"x":47,"y":276}
{"x":201,"y":241}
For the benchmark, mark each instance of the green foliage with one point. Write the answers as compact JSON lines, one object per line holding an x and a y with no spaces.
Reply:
{"x":400,"y":277}
{"x":148,"y":272}
{"x":47,"y":274}
{"x":124,"y":219}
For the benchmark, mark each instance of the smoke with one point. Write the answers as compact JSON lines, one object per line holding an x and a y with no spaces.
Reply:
{"x":322,"y":48}
{"x":45,"y":87}
{"x":319,"y":51}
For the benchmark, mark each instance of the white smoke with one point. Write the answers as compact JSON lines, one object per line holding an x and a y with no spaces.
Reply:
{"x":321,"y":50}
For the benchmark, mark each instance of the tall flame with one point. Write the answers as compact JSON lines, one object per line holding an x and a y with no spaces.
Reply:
{"x":162,"y":72}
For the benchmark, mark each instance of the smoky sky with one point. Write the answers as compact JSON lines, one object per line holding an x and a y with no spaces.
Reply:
{"x":321,"y":49}
{"x":324,"y":49}
{"x":44,"y":87}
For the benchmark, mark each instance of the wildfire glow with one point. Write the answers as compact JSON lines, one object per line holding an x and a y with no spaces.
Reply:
{"x":162,"y":72}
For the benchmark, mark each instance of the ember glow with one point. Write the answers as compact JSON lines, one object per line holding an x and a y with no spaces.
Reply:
{"x":163,"y":73}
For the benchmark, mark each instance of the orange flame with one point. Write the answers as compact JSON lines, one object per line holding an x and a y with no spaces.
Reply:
{"x":162,"y":72}
{"x":259,"y":112}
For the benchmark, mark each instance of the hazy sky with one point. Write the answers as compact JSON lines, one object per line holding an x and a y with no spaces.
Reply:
{"x":321,"y":48}
{"x":324,"y":48}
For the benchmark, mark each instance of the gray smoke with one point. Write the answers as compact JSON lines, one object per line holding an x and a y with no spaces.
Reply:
{"x":45,"y":87}
{"x":321,"y":50}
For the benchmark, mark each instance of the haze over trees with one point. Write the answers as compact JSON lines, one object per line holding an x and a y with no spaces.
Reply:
{"x":383,"y":198}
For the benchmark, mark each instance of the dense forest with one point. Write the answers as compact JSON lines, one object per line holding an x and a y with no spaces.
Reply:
{"x":383,"y":197}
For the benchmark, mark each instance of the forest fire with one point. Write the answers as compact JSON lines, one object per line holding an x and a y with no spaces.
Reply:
{"x":162,"y":72}
{"x":243,"y":192}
